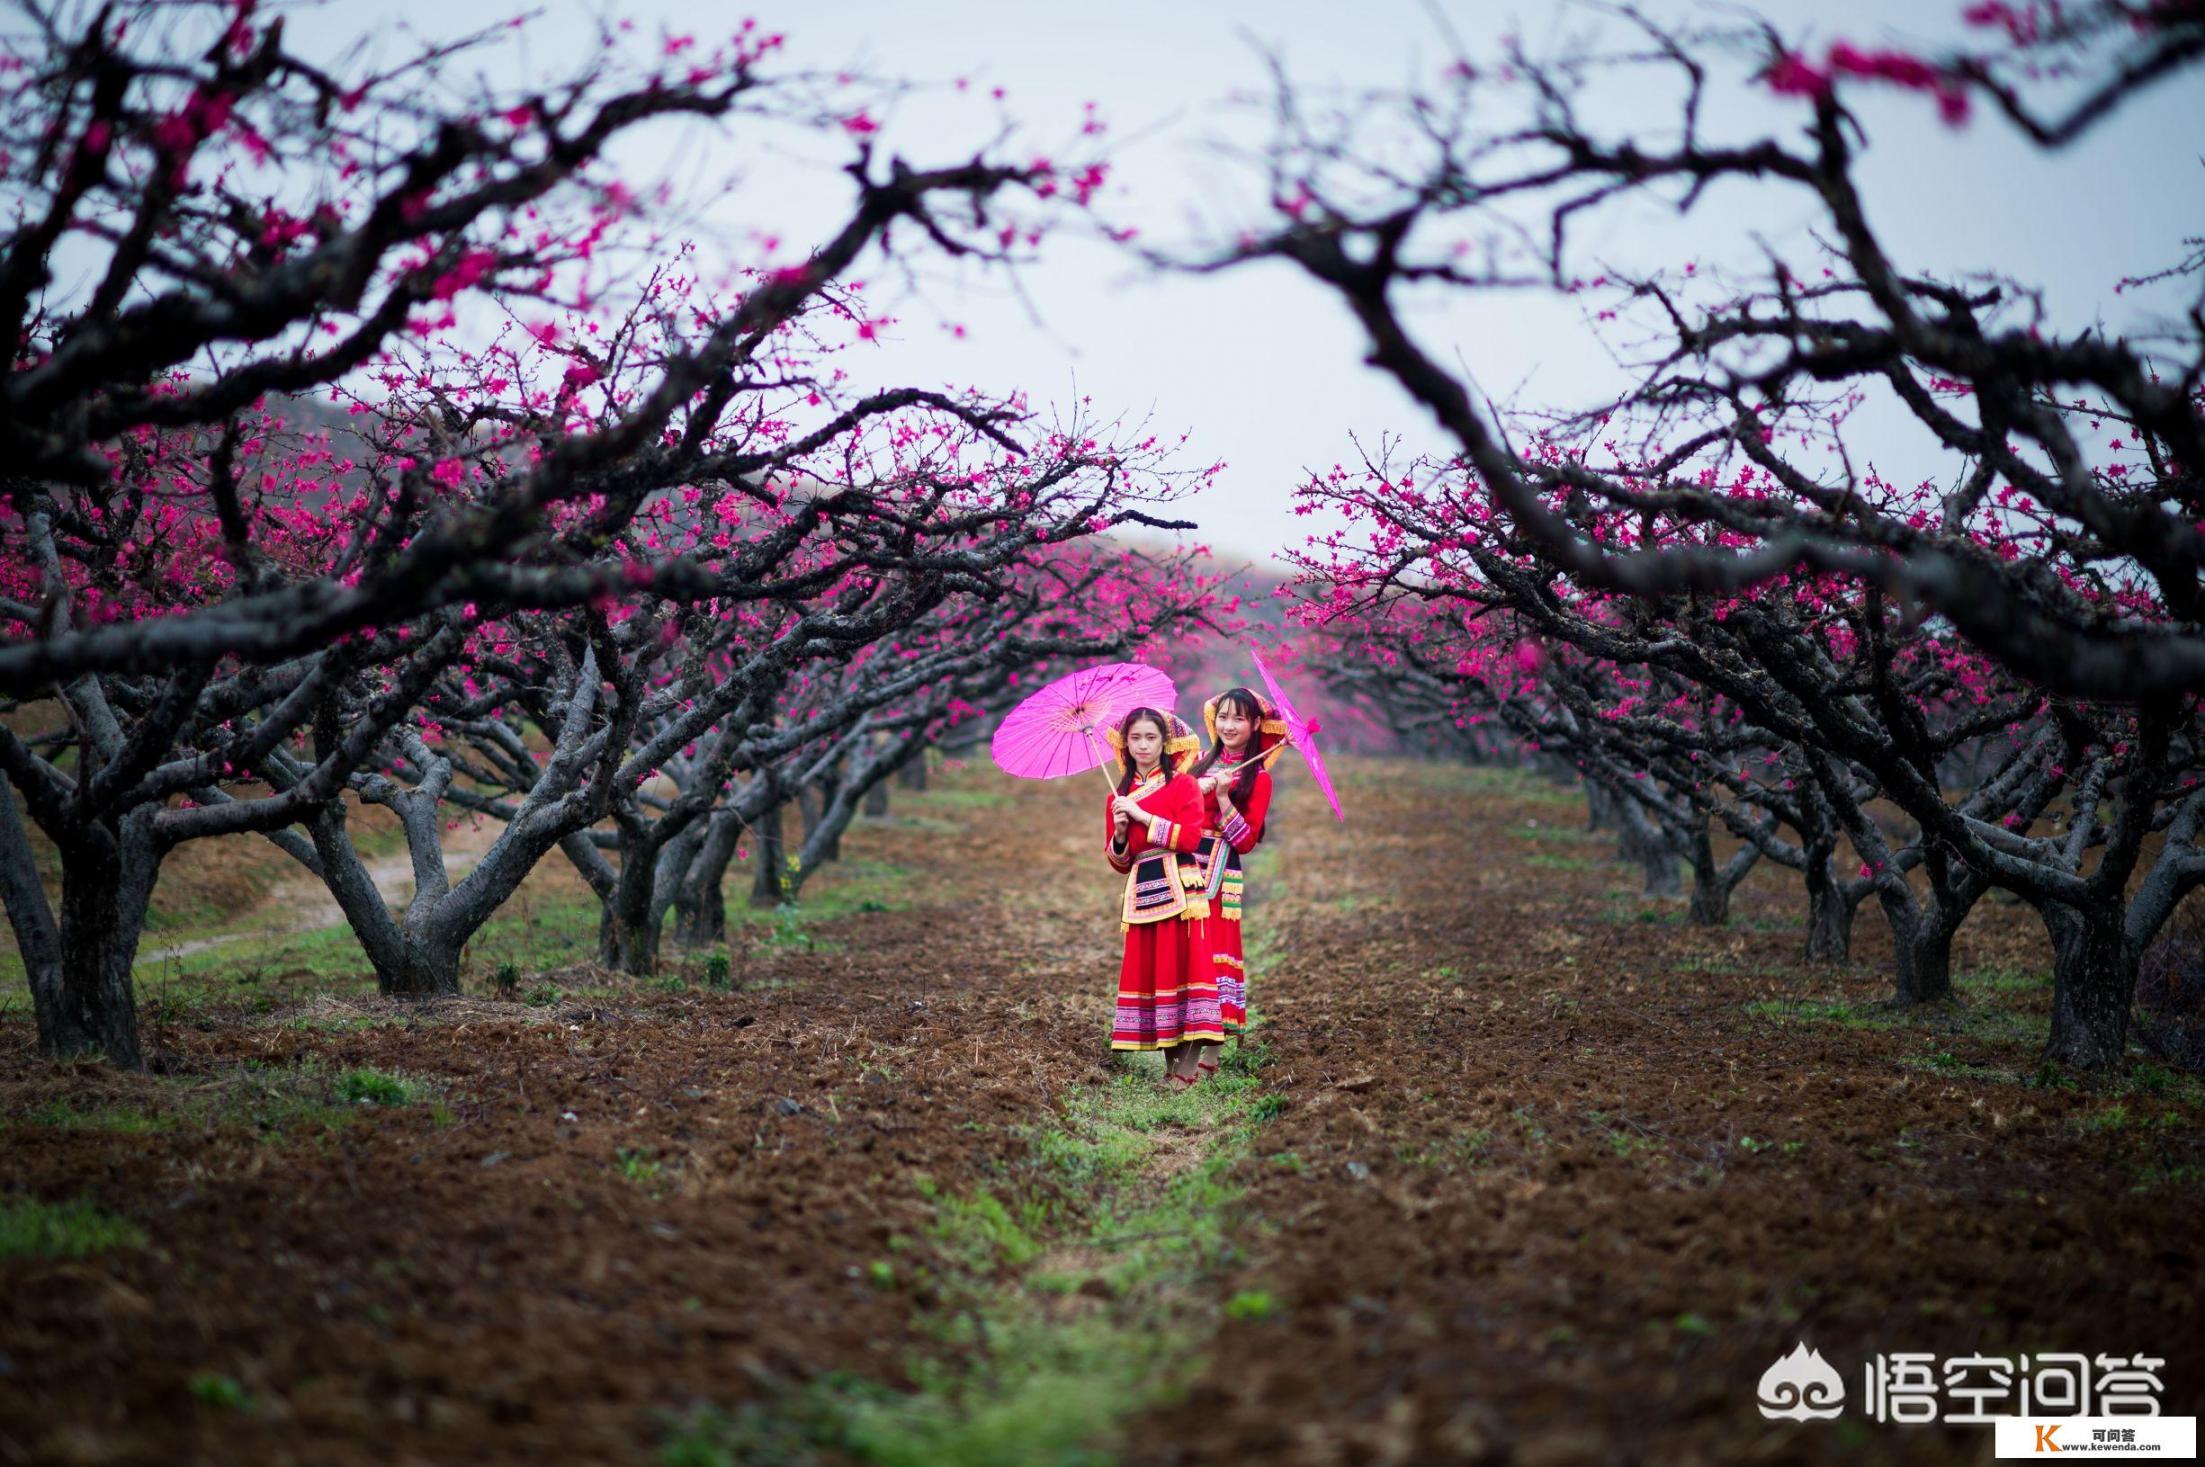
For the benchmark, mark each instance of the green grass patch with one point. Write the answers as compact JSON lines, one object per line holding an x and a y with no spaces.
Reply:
{"x":2003,"y":980}
{"x":939,"y":798}
{"x":377,"y":1087}
{"x":342,"y":1023}
{"x":1945,"y":1062}
{"x":222,"y":1392}
{"x":2147,"y":1080}
{"x":1515,"y":784}
{"x":1086,"y":1158}
{"x":980,"y":1234}
{"x":1637,"y":914}
{"x":1984,"y":1017}
{"x":309,"y":1096}
{"x":61,"y":1114}
{"x":1830,"y":1011}
{"x":1620,"y":1137}
{"x":1545,"y":833}
{"x":1251,"y":1304}
{"x":1033,"y":1366}
{"x":269,"y":1098}
{"x":638,"y":1165}
{"x":30,"y":1228}
{"x":2162,"y":1176}
{"x":2124,"y":1116}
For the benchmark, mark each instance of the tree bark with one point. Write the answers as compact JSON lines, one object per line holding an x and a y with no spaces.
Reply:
{"x":1710,"y":890}
{"x":1954,"y":889}
{"x":412,"y":957}
{"x":1829,"y":912}
{"x":700,"y":906}
{"x":107,"y":879}
{"x":813,"y":802}
{"x":30,"y":915}
{"x":1928,"y":974}
{"x":627,"y":943}
{"x":1830,"y":929}
{"x":2093,"y":981}
{"x":765,"y":885}
{"x":635,"y":911}
{"x":1639,"y":840}
{"x":429,"y":968}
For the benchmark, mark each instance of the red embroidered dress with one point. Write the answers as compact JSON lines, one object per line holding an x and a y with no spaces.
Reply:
{"x":1226,"y":842}
{"x":1167,"y":984}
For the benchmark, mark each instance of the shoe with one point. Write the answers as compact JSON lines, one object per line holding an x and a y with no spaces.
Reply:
{"x":1190,"y":1081}
{"x":1205,"y":1065}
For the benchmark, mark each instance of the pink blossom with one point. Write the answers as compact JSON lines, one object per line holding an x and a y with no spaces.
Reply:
{"x":1791,"y":75}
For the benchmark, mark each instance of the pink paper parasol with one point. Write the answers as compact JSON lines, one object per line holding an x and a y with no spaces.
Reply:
{"x":1301,"y":733}
{"x":1058,"y":729}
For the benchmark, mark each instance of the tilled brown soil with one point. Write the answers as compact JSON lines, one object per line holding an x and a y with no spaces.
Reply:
{"x":1544,"y":1191}
{"x":510,"y":1282}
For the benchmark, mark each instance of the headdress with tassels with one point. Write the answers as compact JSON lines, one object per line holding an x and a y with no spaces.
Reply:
{"x":1270,"y":728}
{"x":1181,"y":747}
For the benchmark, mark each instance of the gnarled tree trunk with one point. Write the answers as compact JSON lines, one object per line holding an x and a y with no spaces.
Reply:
{"x":1829,"y":909}
{"x":700,"y":905}
{"x":1639,"y":840}
{"x":107,"y":874}
{"x":2093,"y":981}
{"x":765,"y":885}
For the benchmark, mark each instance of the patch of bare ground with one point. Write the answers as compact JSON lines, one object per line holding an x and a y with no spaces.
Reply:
{"x":599,"y":1211}
{"x":1558,"y":1176}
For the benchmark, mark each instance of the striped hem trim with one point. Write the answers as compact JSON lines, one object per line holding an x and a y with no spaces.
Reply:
{"x":1192,"y":1036}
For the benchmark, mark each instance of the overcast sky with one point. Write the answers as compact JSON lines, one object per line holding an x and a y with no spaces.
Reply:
{"x":1261,"y":367}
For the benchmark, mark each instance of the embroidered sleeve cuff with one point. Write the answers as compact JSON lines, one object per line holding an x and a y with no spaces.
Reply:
{"x":1236,"y":831}
{"x":1164,"y":832}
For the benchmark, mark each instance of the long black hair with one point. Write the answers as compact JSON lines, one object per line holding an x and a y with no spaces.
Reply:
{"x":1250,"y":707}
{"x":1163,"y":753}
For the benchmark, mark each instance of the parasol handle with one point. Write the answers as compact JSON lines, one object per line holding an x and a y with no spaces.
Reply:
{"x":1264,"y":759}
{"x":1103,"y":768}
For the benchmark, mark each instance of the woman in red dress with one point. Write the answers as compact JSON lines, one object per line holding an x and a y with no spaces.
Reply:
{"x":1236,"y":796}
{"x":1167,"y":984}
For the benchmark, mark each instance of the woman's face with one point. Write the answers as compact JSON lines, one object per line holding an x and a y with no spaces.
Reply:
{"x":1144,"y":742}
{"x":1233,"y":727}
